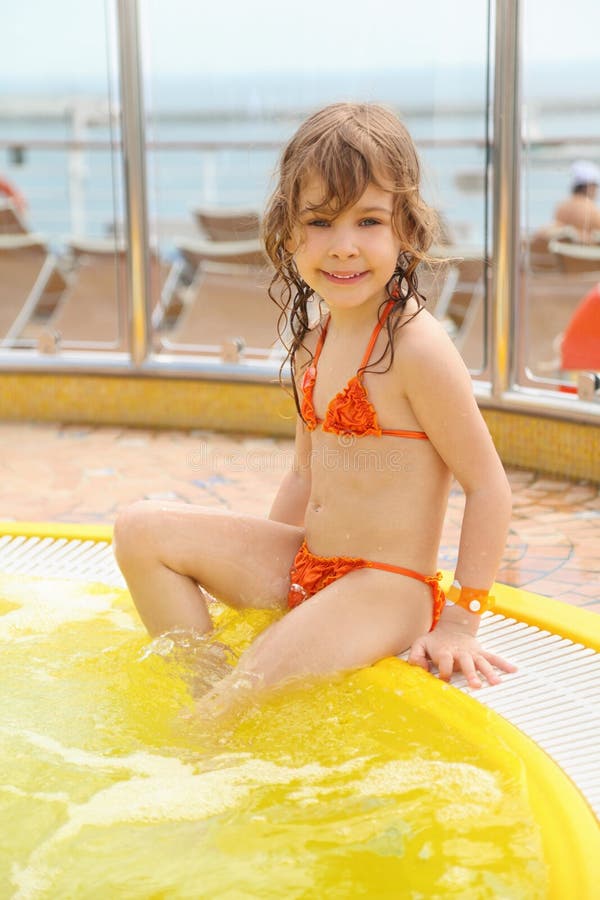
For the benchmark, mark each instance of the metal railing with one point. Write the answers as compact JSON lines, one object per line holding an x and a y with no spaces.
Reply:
{"x":132,"y":149}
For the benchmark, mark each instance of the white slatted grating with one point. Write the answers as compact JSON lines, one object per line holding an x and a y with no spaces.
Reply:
{"x":553,"y":698}
{"x":48,"y":557}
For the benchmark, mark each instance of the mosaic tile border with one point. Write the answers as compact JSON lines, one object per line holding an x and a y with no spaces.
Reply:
{"x":544,"y":444}
{"x":147,"y":402}
{"x":554,"y":446}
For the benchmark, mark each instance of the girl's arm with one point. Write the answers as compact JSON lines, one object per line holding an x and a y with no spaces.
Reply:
{"x":440,"y":391}
{"x":292,"y":496}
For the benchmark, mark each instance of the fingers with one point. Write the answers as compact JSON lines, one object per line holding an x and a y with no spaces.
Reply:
{"x":473,"y":662}
{"x":484,"y":663}
{"x":470,"y":664}
{"x":500,"y":663}
{"x":467,"y":666}
{"x":445,"y":664}
{"x":487,"y":670}
{"x":418,"y":656}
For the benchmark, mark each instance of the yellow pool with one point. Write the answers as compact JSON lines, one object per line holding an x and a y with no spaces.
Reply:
{"x":381,"y":783}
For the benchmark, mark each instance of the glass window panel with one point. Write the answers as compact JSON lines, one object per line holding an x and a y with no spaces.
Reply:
{"x":560,"y":214}
{"x":228,"y":89}
{"x":62,"y":260}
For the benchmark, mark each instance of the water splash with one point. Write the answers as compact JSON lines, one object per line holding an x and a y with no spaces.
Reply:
{"x":200,"y":660}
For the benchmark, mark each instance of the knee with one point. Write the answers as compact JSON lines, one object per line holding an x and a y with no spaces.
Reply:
{"x":133,"y":532}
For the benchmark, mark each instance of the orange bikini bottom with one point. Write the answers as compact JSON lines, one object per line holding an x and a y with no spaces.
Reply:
{"x":311,"y":573}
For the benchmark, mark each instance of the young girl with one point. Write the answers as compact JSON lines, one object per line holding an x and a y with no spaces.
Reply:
{"x":386,"y":416}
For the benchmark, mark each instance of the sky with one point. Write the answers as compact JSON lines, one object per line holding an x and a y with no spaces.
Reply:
{"x":188,"y":38}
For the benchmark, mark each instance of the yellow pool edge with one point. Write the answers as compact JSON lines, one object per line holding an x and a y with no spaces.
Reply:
{"x":57,"y":530}
{"x":579,"y":625}
{"x":569,"y":829}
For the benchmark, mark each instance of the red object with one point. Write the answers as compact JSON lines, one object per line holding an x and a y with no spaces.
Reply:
{"x":7,"y":189}
{"x":580,"y":347}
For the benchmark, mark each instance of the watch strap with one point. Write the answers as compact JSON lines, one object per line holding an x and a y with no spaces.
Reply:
{"x":475,"y":600}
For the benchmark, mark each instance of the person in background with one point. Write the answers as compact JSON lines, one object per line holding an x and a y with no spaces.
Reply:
{"x":580,"y":210}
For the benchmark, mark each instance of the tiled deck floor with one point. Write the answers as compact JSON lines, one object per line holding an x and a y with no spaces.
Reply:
{"x":86,"y":474}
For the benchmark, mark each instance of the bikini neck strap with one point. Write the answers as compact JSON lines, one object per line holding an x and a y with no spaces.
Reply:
{"x":321,"y":340}
{"x":375,"y":334}
{"x":380,"y":323}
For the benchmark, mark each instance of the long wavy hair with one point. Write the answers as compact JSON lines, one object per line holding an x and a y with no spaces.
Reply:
{"x":348,"y":146}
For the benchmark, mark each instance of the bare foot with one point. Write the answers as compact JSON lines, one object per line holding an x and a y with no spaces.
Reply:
{"x":234,"y":693}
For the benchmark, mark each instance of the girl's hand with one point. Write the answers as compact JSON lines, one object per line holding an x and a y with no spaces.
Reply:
{"x":454,"y":650}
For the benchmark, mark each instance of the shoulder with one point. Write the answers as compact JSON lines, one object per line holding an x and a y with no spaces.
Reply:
{"x":438,"y":386}
{"x":426,"y":360}
{"x":422,"y":339}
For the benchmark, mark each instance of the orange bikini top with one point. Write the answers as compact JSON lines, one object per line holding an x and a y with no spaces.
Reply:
{"x":350,"y":411}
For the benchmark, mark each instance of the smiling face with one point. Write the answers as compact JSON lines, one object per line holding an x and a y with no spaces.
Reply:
{"x":348,"y":256}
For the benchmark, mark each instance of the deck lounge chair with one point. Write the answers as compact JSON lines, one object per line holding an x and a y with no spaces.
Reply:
{"x":31,"y":283}
{"x":227,"y":301}
{"x":11,"y":220}
{"x":222,"y":255}
{"x":573,"y":258}
{"x":93,"y":309}
{"x":224,"y":224}
{"x":537,"y":254}
{"x":460,"y":305}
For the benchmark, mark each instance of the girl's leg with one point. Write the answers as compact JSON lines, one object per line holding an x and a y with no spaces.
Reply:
{"x":354,"y":622}
{"x":168,"y":552}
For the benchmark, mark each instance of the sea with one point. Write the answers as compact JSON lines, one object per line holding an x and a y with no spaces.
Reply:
{"x":214,"y":140}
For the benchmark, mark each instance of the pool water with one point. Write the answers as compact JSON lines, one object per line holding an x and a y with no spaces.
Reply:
{"x":348,"y":787}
